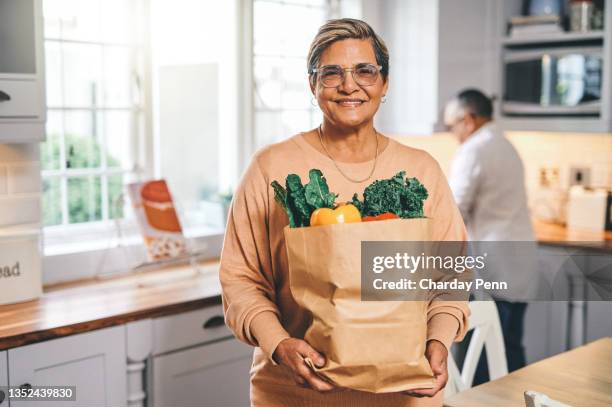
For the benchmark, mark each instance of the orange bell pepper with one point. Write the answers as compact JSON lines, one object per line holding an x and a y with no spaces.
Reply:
{"x":347,"y":213}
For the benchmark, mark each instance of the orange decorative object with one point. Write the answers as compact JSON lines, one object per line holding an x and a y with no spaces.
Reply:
{"x":158,"y":206}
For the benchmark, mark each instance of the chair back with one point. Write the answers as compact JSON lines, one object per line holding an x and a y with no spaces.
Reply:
{"x":487,"y":334}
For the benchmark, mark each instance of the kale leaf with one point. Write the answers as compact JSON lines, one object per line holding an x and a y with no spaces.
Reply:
{"x":299,"y":201}
{"x":317,"y":192}
{"x":396,"y":195}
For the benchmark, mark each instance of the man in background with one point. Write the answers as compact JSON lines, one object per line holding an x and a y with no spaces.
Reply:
{"x":487,"y":180}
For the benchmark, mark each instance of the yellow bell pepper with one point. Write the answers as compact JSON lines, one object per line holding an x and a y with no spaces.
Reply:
{"x":347,"y":213}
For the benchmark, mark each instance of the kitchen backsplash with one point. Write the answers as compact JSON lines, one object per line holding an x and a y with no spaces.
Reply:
{"x":548,"y":151}
{"x":20,"y":184}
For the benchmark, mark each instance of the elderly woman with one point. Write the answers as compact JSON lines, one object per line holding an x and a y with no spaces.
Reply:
{"x":348,"y":67}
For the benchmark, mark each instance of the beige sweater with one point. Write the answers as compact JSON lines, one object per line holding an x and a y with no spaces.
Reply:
{"x":258,"y":304}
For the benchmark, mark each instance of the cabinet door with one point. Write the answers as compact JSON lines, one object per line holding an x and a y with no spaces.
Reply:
{"x":22,"y":78}
{"x":94,"y":362}
{"x":3,"y":379}
{"x":599,"y":313}
{"x":214,"y":375}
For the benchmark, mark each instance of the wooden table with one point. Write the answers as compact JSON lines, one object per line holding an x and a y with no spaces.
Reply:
{"x":580,"y":377}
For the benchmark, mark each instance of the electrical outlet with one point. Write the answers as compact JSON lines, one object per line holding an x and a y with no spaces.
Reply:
{"x":580,"y":176}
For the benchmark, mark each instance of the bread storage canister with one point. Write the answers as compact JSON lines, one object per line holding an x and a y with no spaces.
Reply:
{"x":20,"y":266}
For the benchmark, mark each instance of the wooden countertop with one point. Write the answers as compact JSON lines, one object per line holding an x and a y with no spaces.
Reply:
{"x":82,"y":306}
{"x":558,"y":235}
{"x":580,"y":377}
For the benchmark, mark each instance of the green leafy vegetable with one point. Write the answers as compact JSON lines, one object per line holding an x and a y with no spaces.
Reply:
{"x":299,"y":201}
{"x":396,"y":195}
{"x":317,"y":192}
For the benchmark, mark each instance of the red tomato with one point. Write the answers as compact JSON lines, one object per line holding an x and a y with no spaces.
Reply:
{"x":382,"y":216}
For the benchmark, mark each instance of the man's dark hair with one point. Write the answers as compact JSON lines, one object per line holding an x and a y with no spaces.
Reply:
{"x":476,"y":103}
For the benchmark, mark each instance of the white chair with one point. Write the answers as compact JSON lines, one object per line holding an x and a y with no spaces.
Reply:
{"x":484,"y":320}
{"x":535,"y":399}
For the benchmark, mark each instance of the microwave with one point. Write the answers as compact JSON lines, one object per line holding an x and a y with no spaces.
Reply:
{"x":552,"y":82}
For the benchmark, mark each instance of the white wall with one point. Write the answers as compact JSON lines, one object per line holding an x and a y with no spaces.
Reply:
{"x":187,"y":33}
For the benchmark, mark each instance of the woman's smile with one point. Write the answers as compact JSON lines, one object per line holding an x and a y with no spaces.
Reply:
{"x":350,"y":102}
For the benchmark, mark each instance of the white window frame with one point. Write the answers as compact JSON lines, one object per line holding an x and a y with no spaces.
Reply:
{"x":92,"y":249}
{"x":332,"y":11}
{"x":68,"y":238}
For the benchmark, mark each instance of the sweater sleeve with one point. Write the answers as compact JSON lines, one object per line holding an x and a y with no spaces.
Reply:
{"x":447,"y":320}
{"x":248,"y":287}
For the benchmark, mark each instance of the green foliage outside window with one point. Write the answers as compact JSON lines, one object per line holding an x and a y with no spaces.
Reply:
{"x":85,"y":192}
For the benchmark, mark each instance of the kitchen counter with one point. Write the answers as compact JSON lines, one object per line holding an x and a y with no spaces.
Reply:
{"x":552,"y":234}
{"x":82,"y":306}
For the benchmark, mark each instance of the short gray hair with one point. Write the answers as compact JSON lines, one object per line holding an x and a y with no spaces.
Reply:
{"x":343,"y":29}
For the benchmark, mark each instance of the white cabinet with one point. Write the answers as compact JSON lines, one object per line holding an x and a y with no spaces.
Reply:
{"x":94,"y":362}
{"x":437,"y":48}
{"x":3,"y":379}
{"x":599,"y":313}
{"x":213,"y":375}
{"x":197,"y":362}
{"x":22,"y":92}
{"x":195,"y":327}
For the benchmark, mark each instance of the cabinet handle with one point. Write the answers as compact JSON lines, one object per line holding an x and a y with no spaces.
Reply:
{"x":4,"y":97}
{"x":2,"y":396}
{"x":214,"y":322}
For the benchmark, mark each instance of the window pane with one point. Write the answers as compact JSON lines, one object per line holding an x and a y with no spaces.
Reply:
{"x":268,"y":128}
{"x":120,"y":16}
{"x":316,"y":117}
{"x":117,"y":77}
{"x":52,"y":202}
{"x":268,"y":82}
{"x":84,"y":199}
{"x":299,"y":26}
{"x":80,"y":20}
{"x":296,"y":92}
{"x":266,"y":38}
{"x":120,"y":145}
{"x":52,"y":17}
{"x":115,"y":201}
{"x":83,"y":73}
{"x":81,"y":140}
{"x":295,"y":122}
{"x":50,"y":149}
{"x":312,"y":3}
{"x":53,"y":72}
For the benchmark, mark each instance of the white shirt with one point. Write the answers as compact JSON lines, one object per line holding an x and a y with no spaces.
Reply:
{"x":487,"y":180}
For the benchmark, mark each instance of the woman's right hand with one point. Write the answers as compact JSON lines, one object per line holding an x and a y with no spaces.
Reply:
{"x":291,"y":353}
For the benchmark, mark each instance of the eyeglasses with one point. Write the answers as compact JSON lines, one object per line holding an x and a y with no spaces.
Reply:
{"x":332,"y":76}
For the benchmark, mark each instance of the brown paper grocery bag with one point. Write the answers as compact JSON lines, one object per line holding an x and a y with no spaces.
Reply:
{"x":374,"y":346}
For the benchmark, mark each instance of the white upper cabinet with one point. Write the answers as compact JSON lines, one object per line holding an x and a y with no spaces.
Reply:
{"x":437,"y":48}
{"x":22,"y":91}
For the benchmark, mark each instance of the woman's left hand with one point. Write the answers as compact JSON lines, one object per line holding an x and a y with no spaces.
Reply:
{"x":437,"y":354}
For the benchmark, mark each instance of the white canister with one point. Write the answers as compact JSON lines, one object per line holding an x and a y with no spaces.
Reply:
{"x":20,"y":266}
